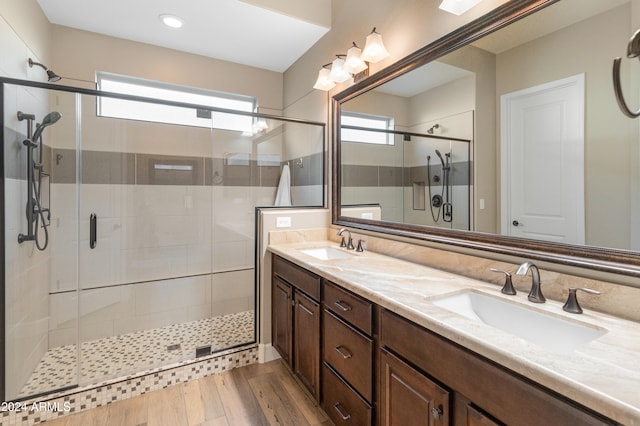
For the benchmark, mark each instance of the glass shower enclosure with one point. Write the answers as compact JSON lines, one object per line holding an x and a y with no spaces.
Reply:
{"x":129,"y":245}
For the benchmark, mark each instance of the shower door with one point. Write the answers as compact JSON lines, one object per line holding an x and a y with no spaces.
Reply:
{"x":145,"y":239}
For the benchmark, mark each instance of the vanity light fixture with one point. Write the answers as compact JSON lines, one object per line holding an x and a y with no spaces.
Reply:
{"x":458,"y":7}
{"x":324,"y":81}
{"x":171,"y":21}
{"x":355,"y":64}
{"x":338,"y":73}
{"x":374,"y":50}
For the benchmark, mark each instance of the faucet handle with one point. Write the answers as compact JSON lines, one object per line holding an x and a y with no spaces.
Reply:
{"x":507,"y":288}
{"x":360,"y":247}
{"x":572,"y":305}
{"x":343,"y":243}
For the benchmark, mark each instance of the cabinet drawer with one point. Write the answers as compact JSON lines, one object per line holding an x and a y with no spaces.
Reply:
{"x":352,"y":308}
{"x":341,"y":403}
{"x":350,"y":353}
{"x":297,"y":276}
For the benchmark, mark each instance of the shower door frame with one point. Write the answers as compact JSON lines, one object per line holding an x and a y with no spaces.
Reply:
{"x":99,"y":93}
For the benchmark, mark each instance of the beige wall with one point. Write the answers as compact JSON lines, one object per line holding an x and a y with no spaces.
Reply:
{"x":29,"y":23}
{"x":79,"y":54}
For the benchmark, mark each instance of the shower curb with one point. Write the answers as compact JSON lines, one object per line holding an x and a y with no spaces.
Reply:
{"x":38,"y":410}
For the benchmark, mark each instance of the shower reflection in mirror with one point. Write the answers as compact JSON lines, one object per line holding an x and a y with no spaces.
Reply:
{"x":414,"y":177}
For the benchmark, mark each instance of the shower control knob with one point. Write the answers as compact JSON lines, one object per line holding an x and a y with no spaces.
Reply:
{"x":515,"y":223}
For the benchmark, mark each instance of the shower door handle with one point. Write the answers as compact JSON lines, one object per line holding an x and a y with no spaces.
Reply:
{"x":93,"y":230}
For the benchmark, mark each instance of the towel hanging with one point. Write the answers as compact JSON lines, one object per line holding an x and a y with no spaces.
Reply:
{"x":283,"y":194}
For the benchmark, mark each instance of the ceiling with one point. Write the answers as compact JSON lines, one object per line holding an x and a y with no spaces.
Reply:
{"x":246,"y":32}
{"x":421,"y":79}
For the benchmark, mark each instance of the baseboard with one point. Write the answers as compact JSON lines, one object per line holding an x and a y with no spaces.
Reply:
{"x":266,"y":353}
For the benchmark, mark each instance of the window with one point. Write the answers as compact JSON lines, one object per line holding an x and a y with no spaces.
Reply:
{"x":133,"y":110}
{"x":377,"y":122}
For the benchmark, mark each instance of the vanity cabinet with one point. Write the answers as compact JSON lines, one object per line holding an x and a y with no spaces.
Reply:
{"x":295,"y":316}
{"x":348,"y":356}
{"x":478,"y":385}
{"x":367,"y":365}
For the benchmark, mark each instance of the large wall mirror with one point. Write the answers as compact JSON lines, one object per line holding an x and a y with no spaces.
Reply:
{"x":504,"y":135}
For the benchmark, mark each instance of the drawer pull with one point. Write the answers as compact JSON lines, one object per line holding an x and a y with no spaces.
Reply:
{"x":342,"y":306}
{"x":336,"y":406}
{"x":304,"y":308}
{"x":342,"y":354}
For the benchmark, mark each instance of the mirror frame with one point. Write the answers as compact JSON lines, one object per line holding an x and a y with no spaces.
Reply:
{"x":608,"y":260}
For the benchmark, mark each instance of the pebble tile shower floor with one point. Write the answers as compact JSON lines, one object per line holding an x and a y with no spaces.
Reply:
{"x":120,"y":355}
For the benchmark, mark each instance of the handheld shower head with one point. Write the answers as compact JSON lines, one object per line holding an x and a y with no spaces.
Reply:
{"x":48,"y":120}
{"x":440,"y":156}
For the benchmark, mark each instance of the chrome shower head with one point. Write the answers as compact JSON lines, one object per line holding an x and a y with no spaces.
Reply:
{"x":52,"y":76}
{"x":432,"y":128}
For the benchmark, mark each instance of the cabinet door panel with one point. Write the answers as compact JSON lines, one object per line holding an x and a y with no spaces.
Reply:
{"x":307,"y":342}
{"x":407,"y":397}
{"x":281,"y":310}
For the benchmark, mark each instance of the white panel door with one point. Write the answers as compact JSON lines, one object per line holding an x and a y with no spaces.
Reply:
{"x":542,"y":162}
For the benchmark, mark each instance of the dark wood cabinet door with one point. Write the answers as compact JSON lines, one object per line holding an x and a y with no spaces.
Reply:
{"x":306,"y":349}
{"x":407,"y":397}
{"x":281,"y":319}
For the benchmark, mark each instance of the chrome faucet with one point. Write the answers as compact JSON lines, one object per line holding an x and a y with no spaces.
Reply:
{"x":348,"y":243}
{"x":535,"y":295}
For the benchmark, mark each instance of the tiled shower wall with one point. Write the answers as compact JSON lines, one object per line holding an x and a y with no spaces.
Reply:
{"x":194,"y":227}
{"x":26,"y":269}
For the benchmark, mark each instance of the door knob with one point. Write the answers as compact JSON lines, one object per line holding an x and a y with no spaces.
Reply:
{"x":515,"y":223}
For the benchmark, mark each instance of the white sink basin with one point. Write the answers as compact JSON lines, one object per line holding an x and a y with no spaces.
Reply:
{"x":552,"y":333}
{"x":327,"y":253}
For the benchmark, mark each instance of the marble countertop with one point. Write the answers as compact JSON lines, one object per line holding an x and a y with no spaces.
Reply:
{"x":603,"y":374}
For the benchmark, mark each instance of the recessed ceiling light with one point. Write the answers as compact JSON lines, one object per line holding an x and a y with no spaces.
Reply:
{"x":458,"y":7}
{"x":171,"y":20}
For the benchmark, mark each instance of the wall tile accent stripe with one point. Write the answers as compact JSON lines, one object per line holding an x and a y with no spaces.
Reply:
{"x":34,"y":411}
{"x":358,"y":175}
{"x":119,"y":168}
